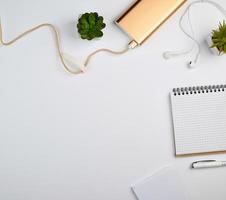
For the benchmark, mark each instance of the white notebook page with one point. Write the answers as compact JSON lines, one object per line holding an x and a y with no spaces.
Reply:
{"x":199,"y":121}
{"x":166,"y":184}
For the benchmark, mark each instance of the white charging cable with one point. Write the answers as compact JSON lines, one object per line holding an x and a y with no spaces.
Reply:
{"x":192,"y":64}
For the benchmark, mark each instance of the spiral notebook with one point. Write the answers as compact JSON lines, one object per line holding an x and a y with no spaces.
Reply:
{"x":199,"y":119}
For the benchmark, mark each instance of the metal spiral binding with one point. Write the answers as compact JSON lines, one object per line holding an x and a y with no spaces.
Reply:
{"x":198,"y":90}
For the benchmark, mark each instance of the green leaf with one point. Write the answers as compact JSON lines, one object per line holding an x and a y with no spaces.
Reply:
{"x":83,"y":32}
{"x":85,"y":26}
{"x":92,"y":19}
{"x":84,"y":36}
{"x":99,"y":33}
{"x":100,"y":24}
{"x":96,"y":15}
{"x":83,"y":20}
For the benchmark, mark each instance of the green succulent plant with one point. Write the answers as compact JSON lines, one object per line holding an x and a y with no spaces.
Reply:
{"x":90,"y":26}
{"x":219,"y":38}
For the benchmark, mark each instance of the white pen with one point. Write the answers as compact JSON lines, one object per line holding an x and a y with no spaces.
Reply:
{"x":208,"y":164}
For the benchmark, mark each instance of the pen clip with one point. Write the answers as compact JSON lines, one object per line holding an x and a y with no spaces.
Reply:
{"x":203,"y":161}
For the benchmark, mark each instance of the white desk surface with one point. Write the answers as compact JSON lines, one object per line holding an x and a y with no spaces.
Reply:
{"x":91,"y":136}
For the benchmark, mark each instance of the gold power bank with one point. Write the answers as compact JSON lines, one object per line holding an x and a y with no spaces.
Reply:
{"x":144,"y":17}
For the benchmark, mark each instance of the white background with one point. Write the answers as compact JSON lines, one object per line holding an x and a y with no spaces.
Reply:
{"x":89,"y":137}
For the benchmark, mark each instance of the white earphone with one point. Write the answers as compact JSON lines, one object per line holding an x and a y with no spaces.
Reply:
{"x":191,"y":64}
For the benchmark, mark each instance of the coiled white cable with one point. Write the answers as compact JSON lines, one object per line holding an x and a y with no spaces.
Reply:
{"x":168,"y":55}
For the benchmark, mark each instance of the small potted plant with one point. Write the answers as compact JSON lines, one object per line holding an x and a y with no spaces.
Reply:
{"x":217,"y":39}
{"x":90,"y":26}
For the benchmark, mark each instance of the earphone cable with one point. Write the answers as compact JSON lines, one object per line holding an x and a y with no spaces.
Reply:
{"x":192,"y":36}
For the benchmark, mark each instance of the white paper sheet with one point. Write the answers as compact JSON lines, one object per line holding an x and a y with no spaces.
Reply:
{"x":166,"y":184}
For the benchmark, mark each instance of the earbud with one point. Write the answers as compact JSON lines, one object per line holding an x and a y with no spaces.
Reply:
{"x":192,"y":64}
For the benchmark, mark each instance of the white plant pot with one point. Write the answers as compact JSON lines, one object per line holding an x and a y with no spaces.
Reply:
{"x":210,"y":43}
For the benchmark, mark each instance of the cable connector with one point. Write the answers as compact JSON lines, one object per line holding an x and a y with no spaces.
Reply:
{"x":132,"y":44}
